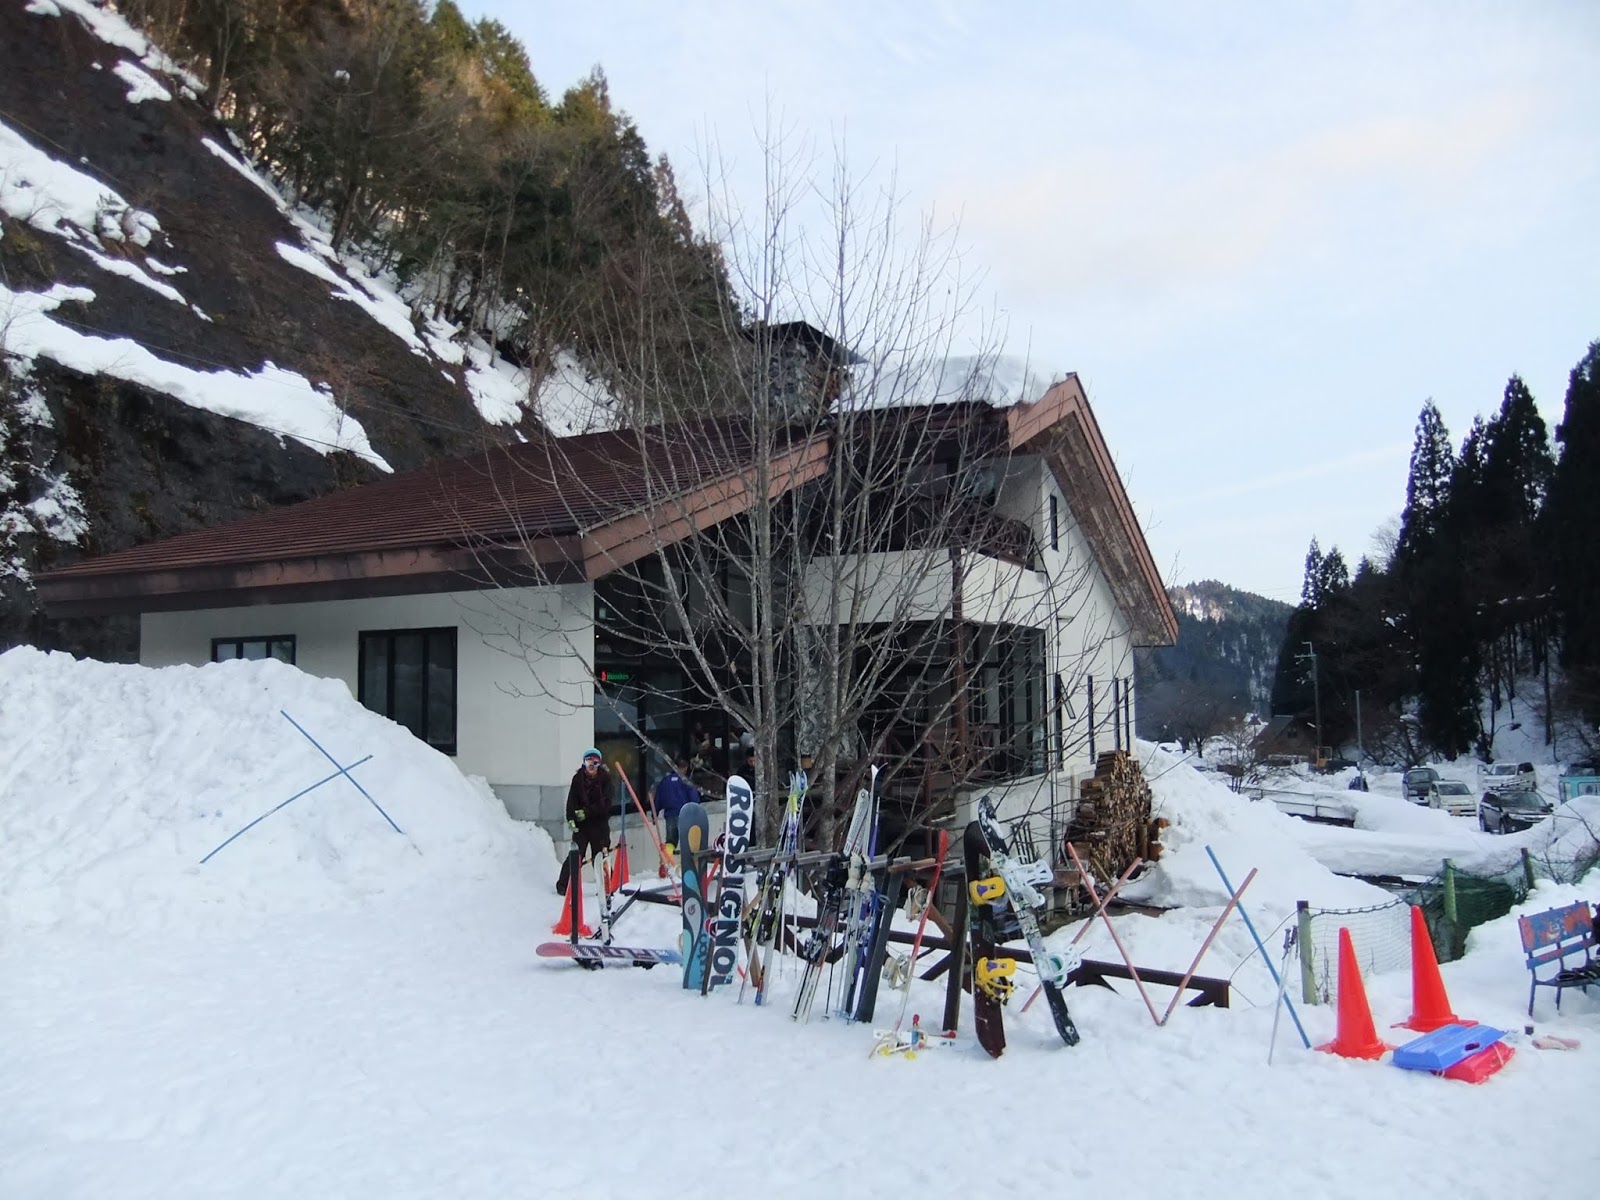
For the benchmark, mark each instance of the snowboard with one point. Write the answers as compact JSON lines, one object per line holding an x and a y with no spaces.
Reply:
{"x":694,"y":849}
{"x":729,"y":914}
{"x":1022,"y":896}
{"x":590,"y":954}
{"x":991,"y":983}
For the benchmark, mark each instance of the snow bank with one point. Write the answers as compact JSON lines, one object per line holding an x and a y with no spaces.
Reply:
{"x":116,"y":781}
{"x":1244,"y":834}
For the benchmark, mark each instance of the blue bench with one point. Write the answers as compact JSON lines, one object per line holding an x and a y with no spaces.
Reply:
{"x":1553,"y":937}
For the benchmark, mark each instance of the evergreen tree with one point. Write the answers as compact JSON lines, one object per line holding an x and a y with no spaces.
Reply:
{"x":1433,"y":461}
{"x":1572,"y":520}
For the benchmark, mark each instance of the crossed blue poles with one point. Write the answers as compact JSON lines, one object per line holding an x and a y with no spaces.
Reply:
{"x":341,"y":770}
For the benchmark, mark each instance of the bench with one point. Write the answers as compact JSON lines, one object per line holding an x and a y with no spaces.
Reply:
{"x":1553,"y":937}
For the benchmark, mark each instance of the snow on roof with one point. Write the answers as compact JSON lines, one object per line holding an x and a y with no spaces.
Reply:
{"x":120,"y":779}
{"x":999,"y":380}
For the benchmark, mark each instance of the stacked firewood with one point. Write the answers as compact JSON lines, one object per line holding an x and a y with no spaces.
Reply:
{"x":1112,"y":825}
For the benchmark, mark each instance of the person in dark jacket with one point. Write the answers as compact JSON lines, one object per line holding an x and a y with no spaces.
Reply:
{"x":672,"y":791}
{"x":588,"y":812}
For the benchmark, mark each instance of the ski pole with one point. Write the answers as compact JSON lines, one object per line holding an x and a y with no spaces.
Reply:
{"x":1289,"y":936}
{"x":661,"y":847}
{"x":1265,"y":957}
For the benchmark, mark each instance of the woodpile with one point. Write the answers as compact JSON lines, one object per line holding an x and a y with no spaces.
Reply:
{"x":1112,"y":825}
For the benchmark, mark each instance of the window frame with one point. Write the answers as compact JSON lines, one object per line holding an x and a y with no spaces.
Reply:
{"x":1055,"y":522}
{"x":452,"y":747}
{"x":267,"y":638}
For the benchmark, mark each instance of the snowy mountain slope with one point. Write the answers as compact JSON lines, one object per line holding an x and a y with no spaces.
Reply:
{"x":180,"y":345}
{"x":341,"y":1010}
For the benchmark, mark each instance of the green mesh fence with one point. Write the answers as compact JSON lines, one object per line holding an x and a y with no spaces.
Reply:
{"x":1454,"y":902}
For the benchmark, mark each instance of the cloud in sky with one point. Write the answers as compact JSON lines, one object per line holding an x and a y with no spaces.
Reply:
{"x":1263,"y":234}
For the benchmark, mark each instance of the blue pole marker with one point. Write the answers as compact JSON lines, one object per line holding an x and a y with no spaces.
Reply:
{"x":1265,"y":957}
{"x":345,"y":771}
{"x":286,"y":803}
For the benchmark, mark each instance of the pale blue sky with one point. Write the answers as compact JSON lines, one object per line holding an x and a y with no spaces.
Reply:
{"x":1262,"y":234}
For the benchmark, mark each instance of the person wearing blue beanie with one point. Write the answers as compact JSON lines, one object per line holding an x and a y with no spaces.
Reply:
{"x":588,"y":812}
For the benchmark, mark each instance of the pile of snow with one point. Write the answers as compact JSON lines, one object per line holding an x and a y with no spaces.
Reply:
{"x":116,"y":781}
{"x":1243,"y":834}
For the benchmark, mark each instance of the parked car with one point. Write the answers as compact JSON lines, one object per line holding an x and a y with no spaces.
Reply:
{"x":1503,"y":812}
{"x":1509,"y":777}
{"x":1417,"y":782}
{"x":1453,"y":796}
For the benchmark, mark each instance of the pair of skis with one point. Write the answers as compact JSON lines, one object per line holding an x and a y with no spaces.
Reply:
{"x":765,"y":922}
{"x":839,"y":905}
{"x":1003,"y":899}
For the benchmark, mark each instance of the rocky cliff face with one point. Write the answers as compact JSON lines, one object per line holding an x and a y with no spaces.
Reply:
{"x":179,"y":347}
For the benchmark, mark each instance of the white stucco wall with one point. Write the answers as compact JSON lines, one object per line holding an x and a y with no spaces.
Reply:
{"x":524,"y":702}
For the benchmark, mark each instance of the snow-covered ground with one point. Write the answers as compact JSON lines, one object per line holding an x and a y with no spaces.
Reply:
{"x":330,"y":1008}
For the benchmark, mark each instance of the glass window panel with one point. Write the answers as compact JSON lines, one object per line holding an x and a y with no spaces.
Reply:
{"x":223,"y":651}
{"x":405,"y":703}
{"x":441,"y":698}
{"x":375,"y":672}
{"x":282,"y":649}
{"x":254,"y":650}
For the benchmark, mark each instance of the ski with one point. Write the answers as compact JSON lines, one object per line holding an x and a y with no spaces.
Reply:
{"x":991,"y":985}
{"x":727,"y":920}
{"x":767,"y":919}
{"x":1020,"y":885}
{"x":861,"y":898}
{"x":866,"y":1003}
{"x":591,"y":954}
{"x":694,"y":843}
{"x":814,"y":950}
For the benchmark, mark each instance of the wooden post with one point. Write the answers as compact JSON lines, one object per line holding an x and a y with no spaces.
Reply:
{"x":1308,"y":969}
{"x":958,"y":959}
{"x":1527,"y":868}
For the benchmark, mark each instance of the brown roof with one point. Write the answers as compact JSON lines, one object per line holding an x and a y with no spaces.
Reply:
{"x":567,"y":510}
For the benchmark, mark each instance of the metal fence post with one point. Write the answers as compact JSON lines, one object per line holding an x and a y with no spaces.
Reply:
{"x":1450,"y":895}
{"x":1527,"y":868}
{"x":1308,"y":973}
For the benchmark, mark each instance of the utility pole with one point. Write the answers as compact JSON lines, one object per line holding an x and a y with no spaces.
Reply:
{"x":1316,"y":697}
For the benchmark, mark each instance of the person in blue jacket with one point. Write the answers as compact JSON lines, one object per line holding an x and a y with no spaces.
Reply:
{"x":672,"y":791}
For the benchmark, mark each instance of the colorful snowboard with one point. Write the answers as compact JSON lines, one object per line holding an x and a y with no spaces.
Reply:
{"x":990,"y":980}
{"x":588,"y":953}
{"x":694,"y":849}
{"x":729,"y":914}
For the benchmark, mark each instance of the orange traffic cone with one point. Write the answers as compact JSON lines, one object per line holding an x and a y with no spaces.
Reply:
{"x":572,"y":908}
{"x":1357,"y":1037}
{"x":1430,"y":1007}
{"x":617,"y":869}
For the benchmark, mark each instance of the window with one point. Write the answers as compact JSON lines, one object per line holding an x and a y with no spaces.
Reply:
{"x":280,"y":647}
{"x":1055,"y":522}
{"x":1061,"y":723}
{"x":409,"y":676}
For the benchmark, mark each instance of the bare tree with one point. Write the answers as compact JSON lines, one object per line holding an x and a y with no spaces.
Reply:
{"x":839,"y":543}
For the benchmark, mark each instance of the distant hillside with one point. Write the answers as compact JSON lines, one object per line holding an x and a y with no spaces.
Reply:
{"x":1222,"y":663}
